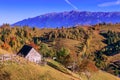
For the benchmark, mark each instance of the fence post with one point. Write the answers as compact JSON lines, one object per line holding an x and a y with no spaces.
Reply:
{"x":3,"y":59}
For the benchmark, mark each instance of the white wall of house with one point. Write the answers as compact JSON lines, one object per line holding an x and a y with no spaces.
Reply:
{"x":34,"y":56}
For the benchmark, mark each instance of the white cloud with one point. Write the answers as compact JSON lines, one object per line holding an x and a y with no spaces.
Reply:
{"x":68,"y":2}
{"x":113,"y":3}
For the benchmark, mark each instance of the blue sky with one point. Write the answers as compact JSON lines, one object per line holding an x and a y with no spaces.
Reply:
{"x":12,"y":11}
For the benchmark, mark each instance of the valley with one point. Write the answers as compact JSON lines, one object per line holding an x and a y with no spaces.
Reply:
{"x":75,"y":53}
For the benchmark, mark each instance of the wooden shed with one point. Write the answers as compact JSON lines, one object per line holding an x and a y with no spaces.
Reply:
{"x":30,"y":54}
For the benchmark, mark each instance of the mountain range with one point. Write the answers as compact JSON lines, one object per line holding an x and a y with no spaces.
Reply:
{"x":70,"y":18}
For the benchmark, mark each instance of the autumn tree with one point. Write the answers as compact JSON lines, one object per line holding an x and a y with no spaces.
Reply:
{"x":62,"y":54}
{"x":46,"y":51}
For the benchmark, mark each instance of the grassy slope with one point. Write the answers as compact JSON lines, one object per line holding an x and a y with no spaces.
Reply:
{"x":30,"y":71}
{"x":103,"y":76}
{"x":100,"y":75}
{"x":114,"y":58}
{"x":111,"y":27}
{"x":35,"y":72}
{"x":2,"y":51}
{"x":68,"y":43}
{"x":61,"y":68}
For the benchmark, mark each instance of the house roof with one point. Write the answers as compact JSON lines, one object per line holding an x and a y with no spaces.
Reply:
{"x":25,"y":50}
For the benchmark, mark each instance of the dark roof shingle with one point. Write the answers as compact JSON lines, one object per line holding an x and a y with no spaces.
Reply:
{"x":25,"y":50}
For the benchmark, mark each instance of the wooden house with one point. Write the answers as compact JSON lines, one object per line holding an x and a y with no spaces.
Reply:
{"x":30,"y":54}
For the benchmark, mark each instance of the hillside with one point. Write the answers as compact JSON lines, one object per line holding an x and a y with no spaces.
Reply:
{"x":2,"y":51}
{"x":30,"y":71}
{"x":100,"y":75}
{"x":76,"y":50}
{"x":70,"y":18}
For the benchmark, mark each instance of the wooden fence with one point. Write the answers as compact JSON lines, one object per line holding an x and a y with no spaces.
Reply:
{"x":12,"y":58}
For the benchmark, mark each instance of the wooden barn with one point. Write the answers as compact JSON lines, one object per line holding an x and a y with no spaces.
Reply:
{"x":30,"y":54}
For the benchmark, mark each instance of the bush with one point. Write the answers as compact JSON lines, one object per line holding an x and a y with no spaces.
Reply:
{"x":62,"y":54}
